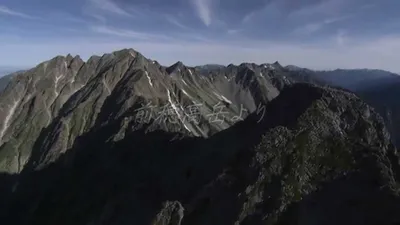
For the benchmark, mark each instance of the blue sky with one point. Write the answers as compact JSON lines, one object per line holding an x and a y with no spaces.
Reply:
{"x":318,"y":34}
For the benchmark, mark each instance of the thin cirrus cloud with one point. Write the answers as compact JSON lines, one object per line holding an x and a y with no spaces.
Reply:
{"x":207,"y":31}
{"x":129,"y":33}
{"x":313,"y":27}
{"x":203,"y":8}
{"x":7,"y":11}
{"x":176,"y":22}
{"x":108,"y":6}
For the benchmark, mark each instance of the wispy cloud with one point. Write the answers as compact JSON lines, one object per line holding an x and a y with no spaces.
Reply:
{"x":109,"y":6}
{"x":233,"y":31}
{"x":128,"y":33}
{"x":326,"y":7}
{"x":266,"y":8}
{"x":74,"y":19}
{"x":311,"y":28}
{"x":248,"y":17}
{"x":203,"y":8}
{"x":341,"y":38}
{"x":58,"y":16}
{"x":98,"y":17}
{"x":308,"y":28}
{"x":7,"y":11}
{"x":175,"y":22}
{"x":211,"y":30}
{"x":336,"y":19}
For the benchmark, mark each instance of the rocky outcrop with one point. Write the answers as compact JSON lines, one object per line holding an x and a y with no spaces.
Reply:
{"x":313,"y":155}
{"x":171,"y":214}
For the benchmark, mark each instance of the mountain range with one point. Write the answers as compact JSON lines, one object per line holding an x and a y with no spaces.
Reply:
{"x":376,"y":87}
{"x":121,"y":139}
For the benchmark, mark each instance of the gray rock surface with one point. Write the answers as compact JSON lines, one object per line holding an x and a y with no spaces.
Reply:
{"x":45,"y":109}
{"x":4,"y":80}
{"x":171,"y":214}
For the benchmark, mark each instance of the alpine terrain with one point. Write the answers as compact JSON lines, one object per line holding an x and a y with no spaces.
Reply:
{"x":120,"y":139}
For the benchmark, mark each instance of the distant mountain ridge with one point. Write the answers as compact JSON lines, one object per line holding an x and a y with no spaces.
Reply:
{"x":352,"y":79}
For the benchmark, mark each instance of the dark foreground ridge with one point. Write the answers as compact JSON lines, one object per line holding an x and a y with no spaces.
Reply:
{"x":319,"y":156}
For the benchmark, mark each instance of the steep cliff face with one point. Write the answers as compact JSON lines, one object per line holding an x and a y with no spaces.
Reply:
{"x":384,"y":98}
{"x":45,"y":109}
{"x":312,"y":156}
{"x":30,"y":103}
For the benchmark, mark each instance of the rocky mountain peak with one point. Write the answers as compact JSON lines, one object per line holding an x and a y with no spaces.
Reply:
{"x":125,"y":52}
{"x":69,"y":58}
{"x":176,"y":67}
{"x":248,"y":65}
{"x":277,"y":64}
{"x":76,"y":62}
{"x":93,"y":59}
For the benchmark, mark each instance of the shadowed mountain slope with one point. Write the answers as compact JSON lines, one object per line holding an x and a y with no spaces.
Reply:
{"x":317,"y":156}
